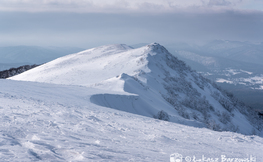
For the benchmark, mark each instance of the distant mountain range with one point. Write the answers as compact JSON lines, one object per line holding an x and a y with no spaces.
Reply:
{"x":14,"y":56}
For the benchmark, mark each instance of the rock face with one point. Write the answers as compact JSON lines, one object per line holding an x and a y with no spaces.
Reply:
{"x":15,"y":71}
{"x":149,"y":81}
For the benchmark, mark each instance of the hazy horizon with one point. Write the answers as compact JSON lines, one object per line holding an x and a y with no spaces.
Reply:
{"x":93,"y":23}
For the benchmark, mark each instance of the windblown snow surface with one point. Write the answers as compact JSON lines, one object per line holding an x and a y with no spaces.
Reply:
{"x":73,"y":112}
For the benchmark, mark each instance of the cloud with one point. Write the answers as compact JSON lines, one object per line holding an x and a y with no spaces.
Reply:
{"x":120,"y":6}
{"x":219,"y":3}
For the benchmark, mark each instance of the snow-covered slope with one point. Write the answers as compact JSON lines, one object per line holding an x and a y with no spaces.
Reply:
{"x":47,"y":122}
{"x":148,"y":81}
{"x":87,"y":67}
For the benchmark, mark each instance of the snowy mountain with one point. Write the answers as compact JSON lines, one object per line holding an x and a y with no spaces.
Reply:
{"x":99,"y":104}
{"x":149,"y":81}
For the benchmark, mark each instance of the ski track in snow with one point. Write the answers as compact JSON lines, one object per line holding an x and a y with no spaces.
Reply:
{"x":45,"y":122}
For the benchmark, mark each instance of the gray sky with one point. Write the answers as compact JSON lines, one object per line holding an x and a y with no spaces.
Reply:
{"x":87,"y":23}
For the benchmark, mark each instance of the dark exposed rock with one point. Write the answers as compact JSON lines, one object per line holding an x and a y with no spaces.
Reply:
{"x":15,"y":71}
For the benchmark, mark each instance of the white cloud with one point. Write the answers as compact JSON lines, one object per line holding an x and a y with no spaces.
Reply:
{"x":122,"y":5}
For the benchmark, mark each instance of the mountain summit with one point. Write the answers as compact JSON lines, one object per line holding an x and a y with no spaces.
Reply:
{"x":149,"y":81}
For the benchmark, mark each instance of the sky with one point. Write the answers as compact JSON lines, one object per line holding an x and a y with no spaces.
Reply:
{"x":89,"y":23}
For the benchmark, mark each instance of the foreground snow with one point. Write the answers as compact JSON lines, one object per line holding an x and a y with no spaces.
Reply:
{"x":59,"y":123}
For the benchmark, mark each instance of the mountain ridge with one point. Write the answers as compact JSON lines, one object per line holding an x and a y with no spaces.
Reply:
{"x":153,"y":82}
